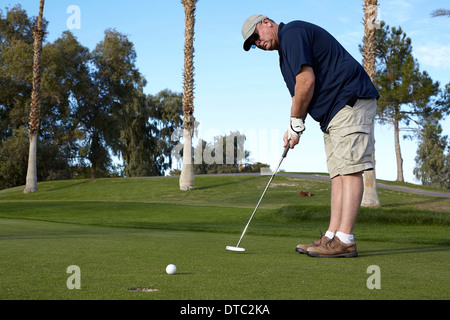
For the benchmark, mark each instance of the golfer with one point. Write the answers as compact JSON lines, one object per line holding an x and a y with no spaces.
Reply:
{"x":327,"y":83}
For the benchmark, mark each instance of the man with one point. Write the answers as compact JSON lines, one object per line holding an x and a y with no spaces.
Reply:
{"x":333,"y":88}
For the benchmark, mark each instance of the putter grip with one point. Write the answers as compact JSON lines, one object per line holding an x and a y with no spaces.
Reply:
{"x":286,"y":150}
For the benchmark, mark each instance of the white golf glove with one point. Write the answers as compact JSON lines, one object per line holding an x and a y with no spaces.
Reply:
{"x":296,"y":127}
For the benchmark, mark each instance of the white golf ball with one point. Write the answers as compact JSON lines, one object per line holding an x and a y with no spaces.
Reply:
{"x":171,"y":269}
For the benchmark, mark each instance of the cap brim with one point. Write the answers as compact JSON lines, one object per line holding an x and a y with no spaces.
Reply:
{"x":247,"y":45}
{"x":247,"y":42}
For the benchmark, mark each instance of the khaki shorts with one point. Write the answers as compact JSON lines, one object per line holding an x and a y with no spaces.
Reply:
{"x":349,"y":139}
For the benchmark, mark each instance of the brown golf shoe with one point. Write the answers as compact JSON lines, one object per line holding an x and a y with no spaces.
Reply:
{"x":303,"y":248}
{"x":333,"y":249}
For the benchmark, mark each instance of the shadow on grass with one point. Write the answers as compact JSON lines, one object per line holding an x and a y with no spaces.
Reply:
{"x":226,"y":183}
{"x":70,"y":185}
{"x":402,"y":251}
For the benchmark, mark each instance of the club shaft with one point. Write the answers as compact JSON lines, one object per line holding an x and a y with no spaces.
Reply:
{"x":262,"y":196}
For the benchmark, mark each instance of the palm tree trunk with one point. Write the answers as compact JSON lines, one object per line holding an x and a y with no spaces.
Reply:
{"x":31,"y":180}
{"x":370,"y":195}
{"x":187,"y":170}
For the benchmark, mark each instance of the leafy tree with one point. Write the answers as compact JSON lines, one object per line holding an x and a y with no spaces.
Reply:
{"x":16,"y":61}
{"x":444,"y":101}
{"x":65,"y":78}
{"x":433,"y":157}
{"x":16,"y":54}
{"x":92,"y":106}
{"x":118,"y":83}
{"x":166,"y":109}
{"x":407,"y":95}
{"x":147,"y":137}
{"x":13,"y":159}
{"x":92,"y":119}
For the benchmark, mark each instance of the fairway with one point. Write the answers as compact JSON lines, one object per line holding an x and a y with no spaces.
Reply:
{"x":122,"y":233}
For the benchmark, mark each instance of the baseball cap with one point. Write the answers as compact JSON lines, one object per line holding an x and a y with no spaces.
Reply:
{"x":249,"y":28}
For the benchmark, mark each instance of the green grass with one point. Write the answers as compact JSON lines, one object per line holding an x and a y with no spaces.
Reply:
{"x":123,"y":232}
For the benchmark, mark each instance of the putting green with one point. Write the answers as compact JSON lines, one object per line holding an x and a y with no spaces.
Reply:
{"x":36,"y":256}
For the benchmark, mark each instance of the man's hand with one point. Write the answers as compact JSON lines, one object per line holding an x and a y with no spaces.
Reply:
{"x":295,"y":130}
{"x":296,"y":127}
{"x":287,"y":140}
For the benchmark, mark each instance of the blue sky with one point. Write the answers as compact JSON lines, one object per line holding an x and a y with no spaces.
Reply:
{"x":238,"y":90}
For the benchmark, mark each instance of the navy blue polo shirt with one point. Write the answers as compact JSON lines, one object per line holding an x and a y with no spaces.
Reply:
{"x":339,"y":76}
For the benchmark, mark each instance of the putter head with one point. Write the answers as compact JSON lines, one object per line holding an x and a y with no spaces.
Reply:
{"x":236,"y":249}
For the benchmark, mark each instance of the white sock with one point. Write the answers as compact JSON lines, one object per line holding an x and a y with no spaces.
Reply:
{"x":329,"y":234}
{"x":344,"y":237}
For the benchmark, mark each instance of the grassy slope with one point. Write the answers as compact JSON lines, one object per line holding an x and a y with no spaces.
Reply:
{"x":122,"y":233}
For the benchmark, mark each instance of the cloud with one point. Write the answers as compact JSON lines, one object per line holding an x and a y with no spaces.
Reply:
{"x":433,"y":54}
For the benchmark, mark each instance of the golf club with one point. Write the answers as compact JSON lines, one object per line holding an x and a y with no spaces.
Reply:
{"x":240,"y":249}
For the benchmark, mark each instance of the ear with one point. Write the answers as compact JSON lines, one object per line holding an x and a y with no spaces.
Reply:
{"x":266,"y":21}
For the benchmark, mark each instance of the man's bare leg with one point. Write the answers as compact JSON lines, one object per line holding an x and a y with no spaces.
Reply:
{"x":346,"y":196}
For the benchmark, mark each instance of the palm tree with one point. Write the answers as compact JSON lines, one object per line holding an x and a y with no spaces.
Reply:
{"x":187,"y":170}
{"x":38,"y":33}
{"x":370,"y":195}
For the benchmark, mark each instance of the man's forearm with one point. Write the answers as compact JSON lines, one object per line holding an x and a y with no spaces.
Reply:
{"x":304,"y":91}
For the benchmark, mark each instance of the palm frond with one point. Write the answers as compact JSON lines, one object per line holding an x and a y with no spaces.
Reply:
{"x":440,"y":13}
